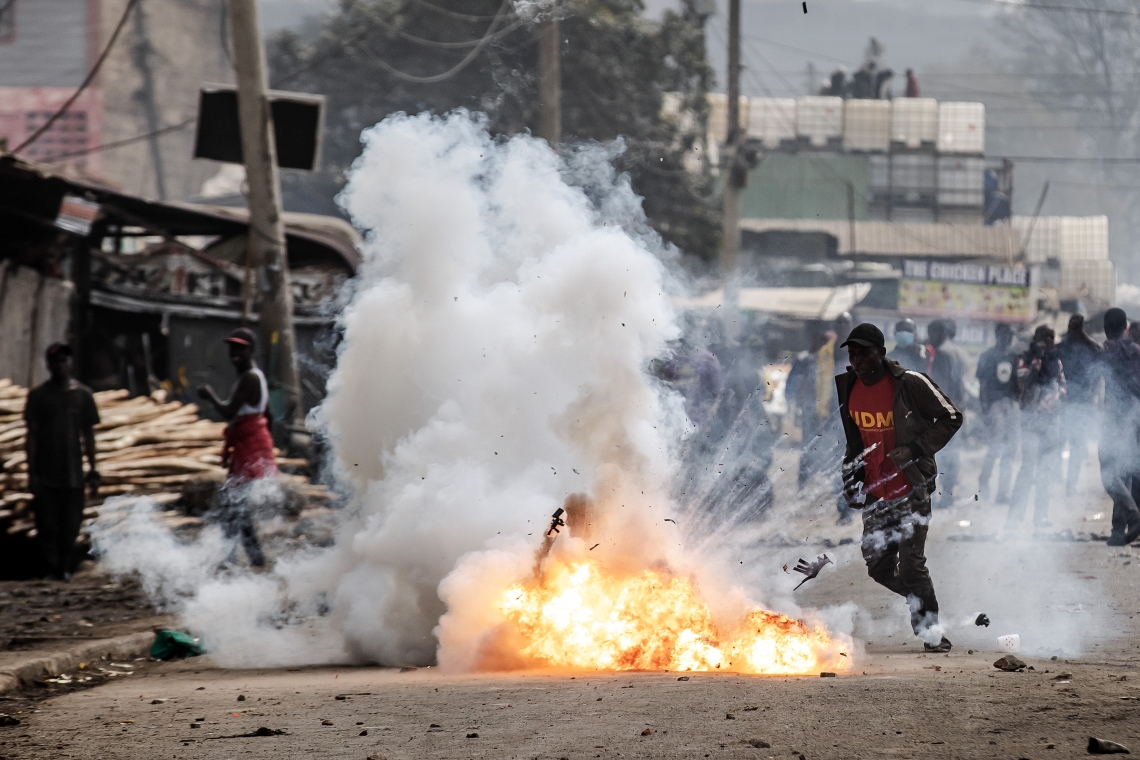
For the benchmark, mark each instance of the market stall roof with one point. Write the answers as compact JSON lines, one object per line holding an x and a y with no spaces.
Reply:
{"x":801,"y":303}
{"x":895,"y":239}
{"x":32,"y":194}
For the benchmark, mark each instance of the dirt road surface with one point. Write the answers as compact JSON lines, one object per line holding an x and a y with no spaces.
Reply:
{"x":1072,"y":600}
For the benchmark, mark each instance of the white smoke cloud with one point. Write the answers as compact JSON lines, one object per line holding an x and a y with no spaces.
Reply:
{"x":494,"y":360}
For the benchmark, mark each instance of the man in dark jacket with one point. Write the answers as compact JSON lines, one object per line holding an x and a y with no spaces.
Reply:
{"x":60,"y":415}
{"x":998,"y":394}
{"x":907,"y":351}
{"x":1120,"y":423}
{"x":895,"y":420}
{"x":948,"y":372}
{"x":1041,"y":381}
{"x":1079,"y":355}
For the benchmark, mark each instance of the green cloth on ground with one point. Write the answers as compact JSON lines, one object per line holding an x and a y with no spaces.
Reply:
{"x":170,"y":644}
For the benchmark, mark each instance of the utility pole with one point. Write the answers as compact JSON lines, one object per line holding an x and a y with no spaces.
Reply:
{"x":549,"y":80}
{"x":730,"y":244}
{"x":266,"y":230}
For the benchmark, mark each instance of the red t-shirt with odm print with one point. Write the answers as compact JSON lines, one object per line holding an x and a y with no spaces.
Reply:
{"x":872,"y":407}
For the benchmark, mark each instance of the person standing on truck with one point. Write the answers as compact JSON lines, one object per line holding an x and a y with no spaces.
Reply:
{"x":248,"y":450}
{"x":895,"y":420}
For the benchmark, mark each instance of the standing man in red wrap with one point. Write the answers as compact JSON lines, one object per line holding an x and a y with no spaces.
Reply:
{"x":248,"y":450}
{"x":895,"y":421}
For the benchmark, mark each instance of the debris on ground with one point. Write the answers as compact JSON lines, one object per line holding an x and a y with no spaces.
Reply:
{"x":327,"y":722}
{"x":1009,"y":663}
{"x":263,"y":731}
{"x":1105,"y":747}
{"x":982,"y":619}
{"x":825,"y":674}
{"x":646,"y":732}
{"x":1010,"y":642}
{"x":811,"y":569}
{"x":759,"y":744}
{"x":8,"y":720}
{"x":169,"y":644}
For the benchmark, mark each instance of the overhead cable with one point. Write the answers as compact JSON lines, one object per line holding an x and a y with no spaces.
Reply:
{"x":119,"y":143}
{"x":1047,"y":7}
{"x":487,"y":37}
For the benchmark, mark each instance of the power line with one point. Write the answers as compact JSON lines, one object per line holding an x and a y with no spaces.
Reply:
{"x":449,"y":45}
{"x":87,"y":81}
{"x":453,"y":14}
{"x":1065,"y":8}
{"x":487,"y":37}
{"x":119,"y":143}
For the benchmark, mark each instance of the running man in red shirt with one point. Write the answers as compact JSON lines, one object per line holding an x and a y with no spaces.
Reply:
{"x":895,"y":420}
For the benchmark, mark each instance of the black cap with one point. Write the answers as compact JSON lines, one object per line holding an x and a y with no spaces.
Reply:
{"x":867,"y":335}
{"x":55,"y":349}
{"x":243,"y":336}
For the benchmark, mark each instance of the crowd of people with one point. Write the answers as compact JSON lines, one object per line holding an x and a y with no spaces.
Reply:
{"x":1035,"y":397}
{"x":873,"y":421}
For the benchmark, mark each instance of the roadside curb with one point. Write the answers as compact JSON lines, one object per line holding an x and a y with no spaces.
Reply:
{"x":46,"y":665}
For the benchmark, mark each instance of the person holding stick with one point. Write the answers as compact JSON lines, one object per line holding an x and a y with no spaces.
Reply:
{"x":895,"y":421}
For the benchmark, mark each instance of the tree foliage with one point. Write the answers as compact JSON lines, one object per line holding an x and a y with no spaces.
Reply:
{"x":616,"y":67}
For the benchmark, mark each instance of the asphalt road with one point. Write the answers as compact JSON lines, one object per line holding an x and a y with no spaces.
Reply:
{"x":1071,"y":599}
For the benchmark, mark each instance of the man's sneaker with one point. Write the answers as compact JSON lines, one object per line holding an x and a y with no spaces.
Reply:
{"x":1132,"y":535}
{"x":941,"y":646}
{"x":1116,"y":539}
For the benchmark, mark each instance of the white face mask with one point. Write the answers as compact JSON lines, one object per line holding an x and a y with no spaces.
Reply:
{"x":904,"y":338}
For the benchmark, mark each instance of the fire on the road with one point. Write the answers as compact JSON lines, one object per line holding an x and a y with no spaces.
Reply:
{"x":580,"y":616}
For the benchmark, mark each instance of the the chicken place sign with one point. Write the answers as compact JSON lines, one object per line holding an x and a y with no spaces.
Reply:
{"x":962,"y":289}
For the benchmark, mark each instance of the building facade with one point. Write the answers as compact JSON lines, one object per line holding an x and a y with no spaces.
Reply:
{"x":133,"y":126}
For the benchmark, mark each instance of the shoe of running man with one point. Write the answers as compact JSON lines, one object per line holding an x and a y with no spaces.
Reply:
{"x":941,"y":646}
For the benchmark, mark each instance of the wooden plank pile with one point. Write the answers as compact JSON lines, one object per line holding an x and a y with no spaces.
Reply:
{"x":144,"y":446}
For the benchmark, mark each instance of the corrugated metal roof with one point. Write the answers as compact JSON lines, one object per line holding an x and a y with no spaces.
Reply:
{"x":896,"y":239}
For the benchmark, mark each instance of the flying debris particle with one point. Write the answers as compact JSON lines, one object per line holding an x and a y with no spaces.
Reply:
{"x":805,"y":6}
{"x":785,"y":568}
{"x":595,"y":546}
{"x":575,"y":471}
{"x":811,"y":569}
{"x":982,"y":620}
{"x":670,"y":519}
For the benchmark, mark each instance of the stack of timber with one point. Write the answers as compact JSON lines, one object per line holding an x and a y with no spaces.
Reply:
{"x":145,"y":446}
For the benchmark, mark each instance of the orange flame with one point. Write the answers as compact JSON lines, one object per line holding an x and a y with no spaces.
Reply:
{"x":582,"y":617}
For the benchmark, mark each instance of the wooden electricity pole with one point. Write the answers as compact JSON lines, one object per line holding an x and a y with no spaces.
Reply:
{"x":266,"y":230}
{"x":549,"y":82}
{"x":733,"y":179}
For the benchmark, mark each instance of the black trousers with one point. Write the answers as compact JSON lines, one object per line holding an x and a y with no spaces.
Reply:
{"x":236,"y":521}
{"x":894,"y":546}
{"x":59,"y":514}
